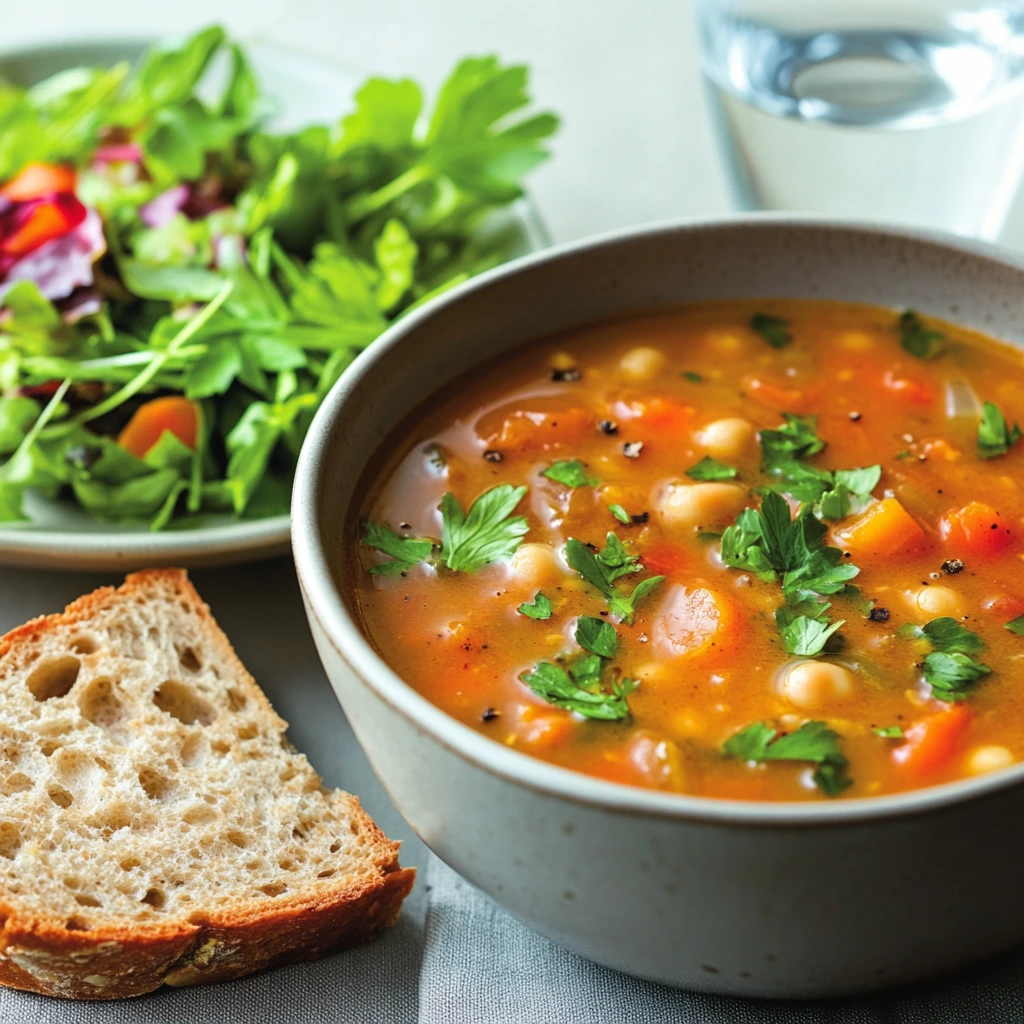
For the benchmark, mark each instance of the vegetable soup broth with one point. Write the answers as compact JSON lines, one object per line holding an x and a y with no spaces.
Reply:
{"x":733,"y":697}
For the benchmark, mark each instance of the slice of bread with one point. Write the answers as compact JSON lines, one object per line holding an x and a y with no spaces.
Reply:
{"x":155,"y":825}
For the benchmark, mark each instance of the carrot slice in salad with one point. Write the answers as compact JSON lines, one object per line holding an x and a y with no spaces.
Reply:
{"x":36,"y":180}
{"x":173,"y":413}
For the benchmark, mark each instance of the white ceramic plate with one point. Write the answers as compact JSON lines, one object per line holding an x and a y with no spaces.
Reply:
{"x":60,"y":535}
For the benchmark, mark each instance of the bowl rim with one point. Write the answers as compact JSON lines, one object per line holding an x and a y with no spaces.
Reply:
{"x":325,"y":604}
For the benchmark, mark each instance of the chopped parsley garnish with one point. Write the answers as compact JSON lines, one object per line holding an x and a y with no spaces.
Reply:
{"x":951,"y":676}
{"x":918,"y":339}
{"x":813,"y":741}
{"x":539,"y":608}
{"x":805,"y":635}
{"x":693,"y":378}
{"x":888,"y":732}
{"x":711,"y":469}
{"x":580,"y":692}
{"x":570,"y":472}
{"x":1016,"y":625}
{"x":597,"y":636}
{"x":406,"y":551}
{"x":620,"y":513}
{"x":603,"y":568}
{"x":835,"y":494}
{"x":995,"y":436}
{"x":489,"y":533}
{"x":949,"y":669}
{"x":772,"y":329}
{"x":795,"y":439}
{"x":945,"y":634}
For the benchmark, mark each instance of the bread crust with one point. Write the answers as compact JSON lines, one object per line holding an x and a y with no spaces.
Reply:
{"x":41,"y":954}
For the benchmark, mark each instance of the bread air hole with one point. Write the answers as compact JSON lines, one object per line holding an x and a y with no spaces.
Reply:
{"x":155,"y":785}
{"x":16,"y":783}
{"x":84,"y":645}
{"x":54,"y":678}
{"x":237,"y":838}
{"x":189,"y":660}
{"x":10,"y":840}
{"x":273,"y":888}
{"x":155,"y":898}
{"x":99,"y":703}
{"x":236,"y":699}
{"x":181,"y":703}
{"x":60,"y":796}
{"x":85,"y":900}
{"x":76,"y":924}
{"x":199,"y":814}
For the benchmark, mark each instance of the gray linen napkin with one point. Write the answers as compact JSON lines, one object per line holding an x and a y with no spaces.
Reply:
{"x":482,"y":966}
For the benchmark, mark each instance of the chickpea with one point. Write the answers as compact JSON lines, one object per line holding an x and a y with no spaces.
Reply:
{"x":935,"y":601}
{"x":727,"y":342}
{"x":812,"y":685}
{"x":534,"y":564}
{"x":988,"y":759}
{"x":658,"y":759}
{"x":728,"y":438}
{"x":643,"y":363}
{"x":703,"y":504}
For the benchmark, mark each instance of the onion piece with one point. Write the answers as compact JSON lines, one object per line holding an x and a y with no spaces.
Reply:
{"x":961,"y":401}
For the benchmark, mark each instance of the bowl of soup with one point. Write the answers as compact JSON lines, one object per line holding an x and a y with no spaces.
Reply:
{"x":673,"y":583}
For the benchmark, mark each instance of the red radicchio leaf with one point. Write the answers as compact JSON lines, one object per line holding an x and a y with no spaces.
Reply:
{"x":162,"y":210}
{"x":62,"y":264}
{"x":118,"y":153}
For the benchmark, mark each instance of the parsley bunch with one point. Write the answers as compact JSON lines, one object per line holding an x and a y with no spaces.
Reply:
{"x":245,"y":267}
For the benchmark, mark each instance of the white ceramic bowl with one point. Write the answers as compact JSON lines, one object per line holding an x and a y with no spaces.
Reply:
{"x":743,"y":898}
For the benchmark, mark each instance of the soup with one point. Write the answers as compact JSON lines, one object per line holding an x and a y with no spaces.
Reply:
{"x":765,"y":551}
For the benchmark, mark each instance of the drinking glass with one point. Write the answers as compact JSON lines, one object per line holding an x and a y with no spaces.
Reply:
{"x":900,"y":110}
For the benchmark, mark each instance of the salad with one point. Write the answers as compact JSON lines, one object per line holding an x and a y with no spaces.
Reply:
{"x":180,"y":286}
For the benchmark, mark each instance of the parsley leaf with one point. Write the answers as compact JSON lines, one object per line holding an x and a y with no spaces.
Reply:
{"x":888,"y":732}
{"x":540,"y":608}
{"x":805,"y":635}
{"x":952,"y":675}
{"x":711,"y":469}
{"x":553,"y":684}
{"x":773,"y":329}
{"x":995,"y":436}
{"x":834,"y":494}
{"x":406,"y":551}
{"x":488,"y":533}
{"x":945,"y":634}
{"x":602,"y":569}
{"x":620,"y":513}
{"x":813,"y":741}
{"x":570,"y":472}
{"x":693,"y":378}
{"x":1016,"y":625}
{"x":795,"y":439}
{"x":919,"y":340}
{"x":597,"y":636}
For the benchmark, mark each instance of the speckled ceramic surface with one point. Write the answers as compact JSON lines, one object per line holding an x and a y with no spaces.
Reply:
{"x":60,"y":535}
{"x":731,"y":897}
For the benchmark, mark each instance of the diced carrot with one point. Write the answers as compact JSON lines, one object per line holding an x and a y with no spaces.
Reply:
{"x":544,"y":728}
{"x":776,"y":396}
{"x":916,"y":392}
{"x":933,"y":743}
{"x":664,"y":416}
{"x":690,"y":620}
{"x":525,"y":429}
{"x":1004,"y":607}
{"x":885,"y":528}
{"x":665,"y":560}
{"x":37,"y":180}
{"x":173,"y":413}
{"x":45,"y":222}
{"x":976,"y":530}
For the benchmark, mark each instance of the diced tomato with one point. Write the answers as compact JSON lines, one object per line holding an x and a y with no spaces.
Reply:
{"x":916,"y":392}
{"x":665,"y":560}
{"x":41,"y":223}
{"x":1004,"y":607}
{"x":173,"y":413}
{"x":776,"y":396}
{"x":977,"y":530}
{"x":543,"y":727}
{"x":885,"y":528}
{"x":665,"y":416}
{"x":38,"y":180}
{"x":933,"y":743}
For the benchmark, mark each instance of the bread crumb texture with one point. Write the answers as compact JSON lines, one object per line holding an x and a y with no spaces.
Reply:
{"x":155,"y":824}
